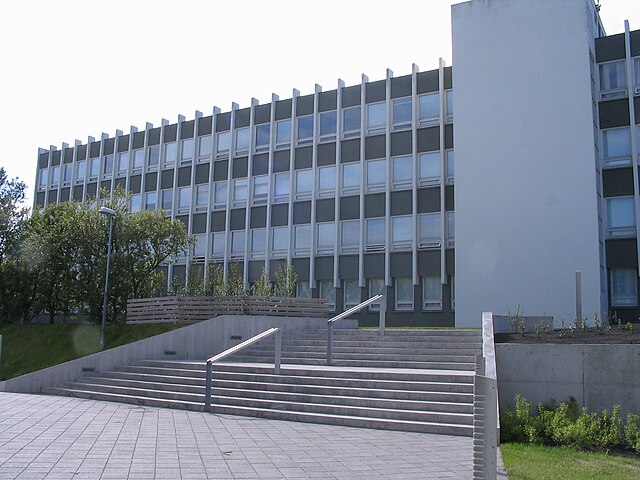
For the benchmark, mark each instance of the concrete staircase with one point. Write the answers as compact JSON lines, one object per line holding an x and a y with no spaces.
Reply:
{"x":414,"y":380}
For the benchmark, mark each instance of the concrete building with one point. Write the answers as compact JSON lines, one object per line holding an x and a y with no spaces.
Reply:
{"x":357,"y":185}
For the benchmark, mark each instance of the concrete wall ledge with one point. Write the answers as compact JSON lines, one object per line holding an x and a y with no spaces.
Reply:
{"x":194,"y":342}
{"x":598,"y":376}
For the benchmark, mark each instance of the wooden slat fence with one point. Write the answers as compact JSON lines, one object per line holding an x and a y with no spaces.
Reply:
{"x":194,"y":309}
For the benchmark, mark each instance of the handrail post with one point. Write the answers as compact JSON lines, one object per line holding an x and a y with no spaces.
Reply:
{"x":207,"y":395}
{"x":329,"y":343}
{"x":278,"y":352}
{"x":383,"y":314}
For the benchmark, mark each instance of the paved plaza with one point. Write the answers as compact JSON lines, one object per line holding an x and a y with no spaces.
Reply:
{"x":48,"y":437}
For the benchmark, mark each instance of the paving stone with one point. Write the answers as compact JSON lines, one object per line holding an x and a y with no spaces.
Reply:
{"x":61,"y":438}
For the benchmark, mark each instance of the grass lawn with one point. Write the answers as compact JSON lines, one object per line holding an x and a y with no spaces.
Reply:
{"x":535,"y":462}
{"x":27,"y":348}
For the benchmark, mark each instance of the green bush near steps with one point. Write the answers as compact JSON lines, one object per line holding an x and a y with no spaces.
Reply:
{"x":566,"y":425}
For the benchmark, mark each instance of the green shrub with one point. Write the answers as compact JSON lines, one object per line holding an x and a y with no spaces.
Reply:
{"x":563,"y":425}
{"x":632,"y":432}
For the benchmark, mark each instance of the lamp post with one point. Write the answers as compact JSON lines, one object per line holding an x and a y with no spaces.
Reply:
{"x":110,"y":213}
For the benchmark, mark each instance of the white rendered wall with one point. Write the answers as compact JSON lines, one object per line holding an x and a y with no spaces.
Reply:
{"x":525,"y":180}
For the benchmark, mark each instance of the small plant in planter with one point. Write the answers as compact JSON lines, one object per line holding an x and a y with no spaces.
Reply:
{"x":541,"y":327}
{"x":517,"y":321}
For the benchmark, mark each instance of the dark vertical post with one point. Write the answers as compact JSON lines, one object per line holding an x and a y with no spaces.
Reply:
{"x":207,"y":394}
{"x":329,"y":343}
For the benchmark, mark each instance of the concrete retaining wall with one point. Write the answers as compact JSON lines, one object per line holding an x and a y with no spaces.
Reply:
{"x":598,"y":376}
{"x":196,"y":342}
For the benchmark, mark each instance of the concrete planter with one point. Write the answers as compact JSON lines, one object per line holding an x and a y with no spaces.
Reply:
{"x":598,"y":376}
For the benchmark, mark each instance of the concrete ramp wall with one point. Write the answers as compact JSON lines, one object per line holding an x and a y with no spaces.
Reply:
{"x":193,"y":342}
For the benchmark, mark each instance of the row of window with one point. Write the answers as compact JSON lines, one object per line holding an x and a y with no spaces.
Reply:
{"x":613,"y":78}
{"x":431,"y":293}
{"x":298,"y":238}
{"x":617,"y":146}
{"x":401,"y":175}
{"x":184,"y":151}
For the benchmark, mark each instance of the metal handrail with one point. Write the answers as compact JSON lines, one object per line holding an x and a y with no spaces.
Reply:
{"x":237,"y":348}
{"x":352,"y":310}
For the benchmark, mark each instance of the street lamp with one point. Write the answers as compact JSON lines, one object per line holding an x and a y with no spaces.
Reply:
{"x":110,"y":213}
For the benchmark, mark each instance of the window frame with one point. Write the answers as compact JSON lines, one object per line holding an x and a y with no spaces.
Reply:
{"x":403,"y":305}
{"x":397,"y":106}
{"x":623,"y":299}
{"x":434,"y":303}
{"x":622,"y":230}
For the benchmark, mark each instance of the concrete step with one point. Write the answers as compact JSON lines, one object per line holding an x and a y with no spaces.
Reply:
{"x":123,"y":398}
{"x":349,"y":421}
{"x":409,"y":380}
{"x":348,"y":410}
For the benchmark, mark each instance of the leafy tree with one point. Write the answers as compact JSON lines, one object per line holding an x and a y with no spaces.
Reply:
{"x":12,"y":214}
{"x":262,"y":287}
{"x":286,"y":280}
{"x":235,"y":282}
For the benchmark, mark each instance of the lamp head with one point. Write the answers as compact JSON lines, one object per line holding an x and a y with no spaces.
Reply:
{"x":107,"y":211}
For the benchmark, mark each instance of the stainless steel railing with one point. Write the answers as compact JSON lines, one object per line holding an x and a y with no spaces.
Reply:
{"x":220,"y":356}
{"x":357,"y":308}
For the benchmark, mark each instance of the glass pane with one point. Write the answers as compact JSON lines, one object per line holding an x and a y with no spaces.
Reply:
{"x":220,"y":192}
{"x":404,"y":290}
{"x":351,"y":174}
{"x":450,"y":163}
{"x":621,"y":212}
{"x":449,"y":102}
{"x":138,"y":158}
{"x":613,"y":75}
{"x":170,"y":152}
{"x":68,"y":170}
{"x":328,"y":292}
{"x":327,"y":178}
{"x":167,"y":199}
{"x":237,"y":241}
{"x":95,"y":167}
{"x":218,"y":243}
{"x":303,"y":290}
{"x":328,"y":123}
{"x":204,"y":146}
{"x":430,"y":105}
{"x":351,"y":293}
{"x":623,"y":287}
{"x":283,"y":132}
{"x":150,"y":200}
{"x":261,"y":186}
{"x":282,"y":184}
{"x":224,"y":141}
{"x":617,"y":143}
{"x":402,"y":110}
{"x":351,"y":118}
{"x":429,"y":165}
{"x":375,"y":231}
{"x":154,"y":154}
{"x":402,"y":229}
{"x":80,"y":173}
{"x":123,"y":162}
{"x":135,"y":203}
{"x":259,"y":240}
{"x":263,"y":134}
{"x":280,"y":238}
{"x":108,"y":166}
{"x":303,"y":181}
{"x":430,"y":226}
{"x":184,"y":197}
{"x":240,"y":190}
{"x":402,"y":168}
{"x":350,"y":233}
{"x":376,"y":115}
{"x":376,"y":172}
{"x":305,"y":127}
{"x":202,"y":195}
{"x":326,"y":235}
{"x":302,"y":237}
{"x":242,"y":138}
{"x":187,"y":149}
